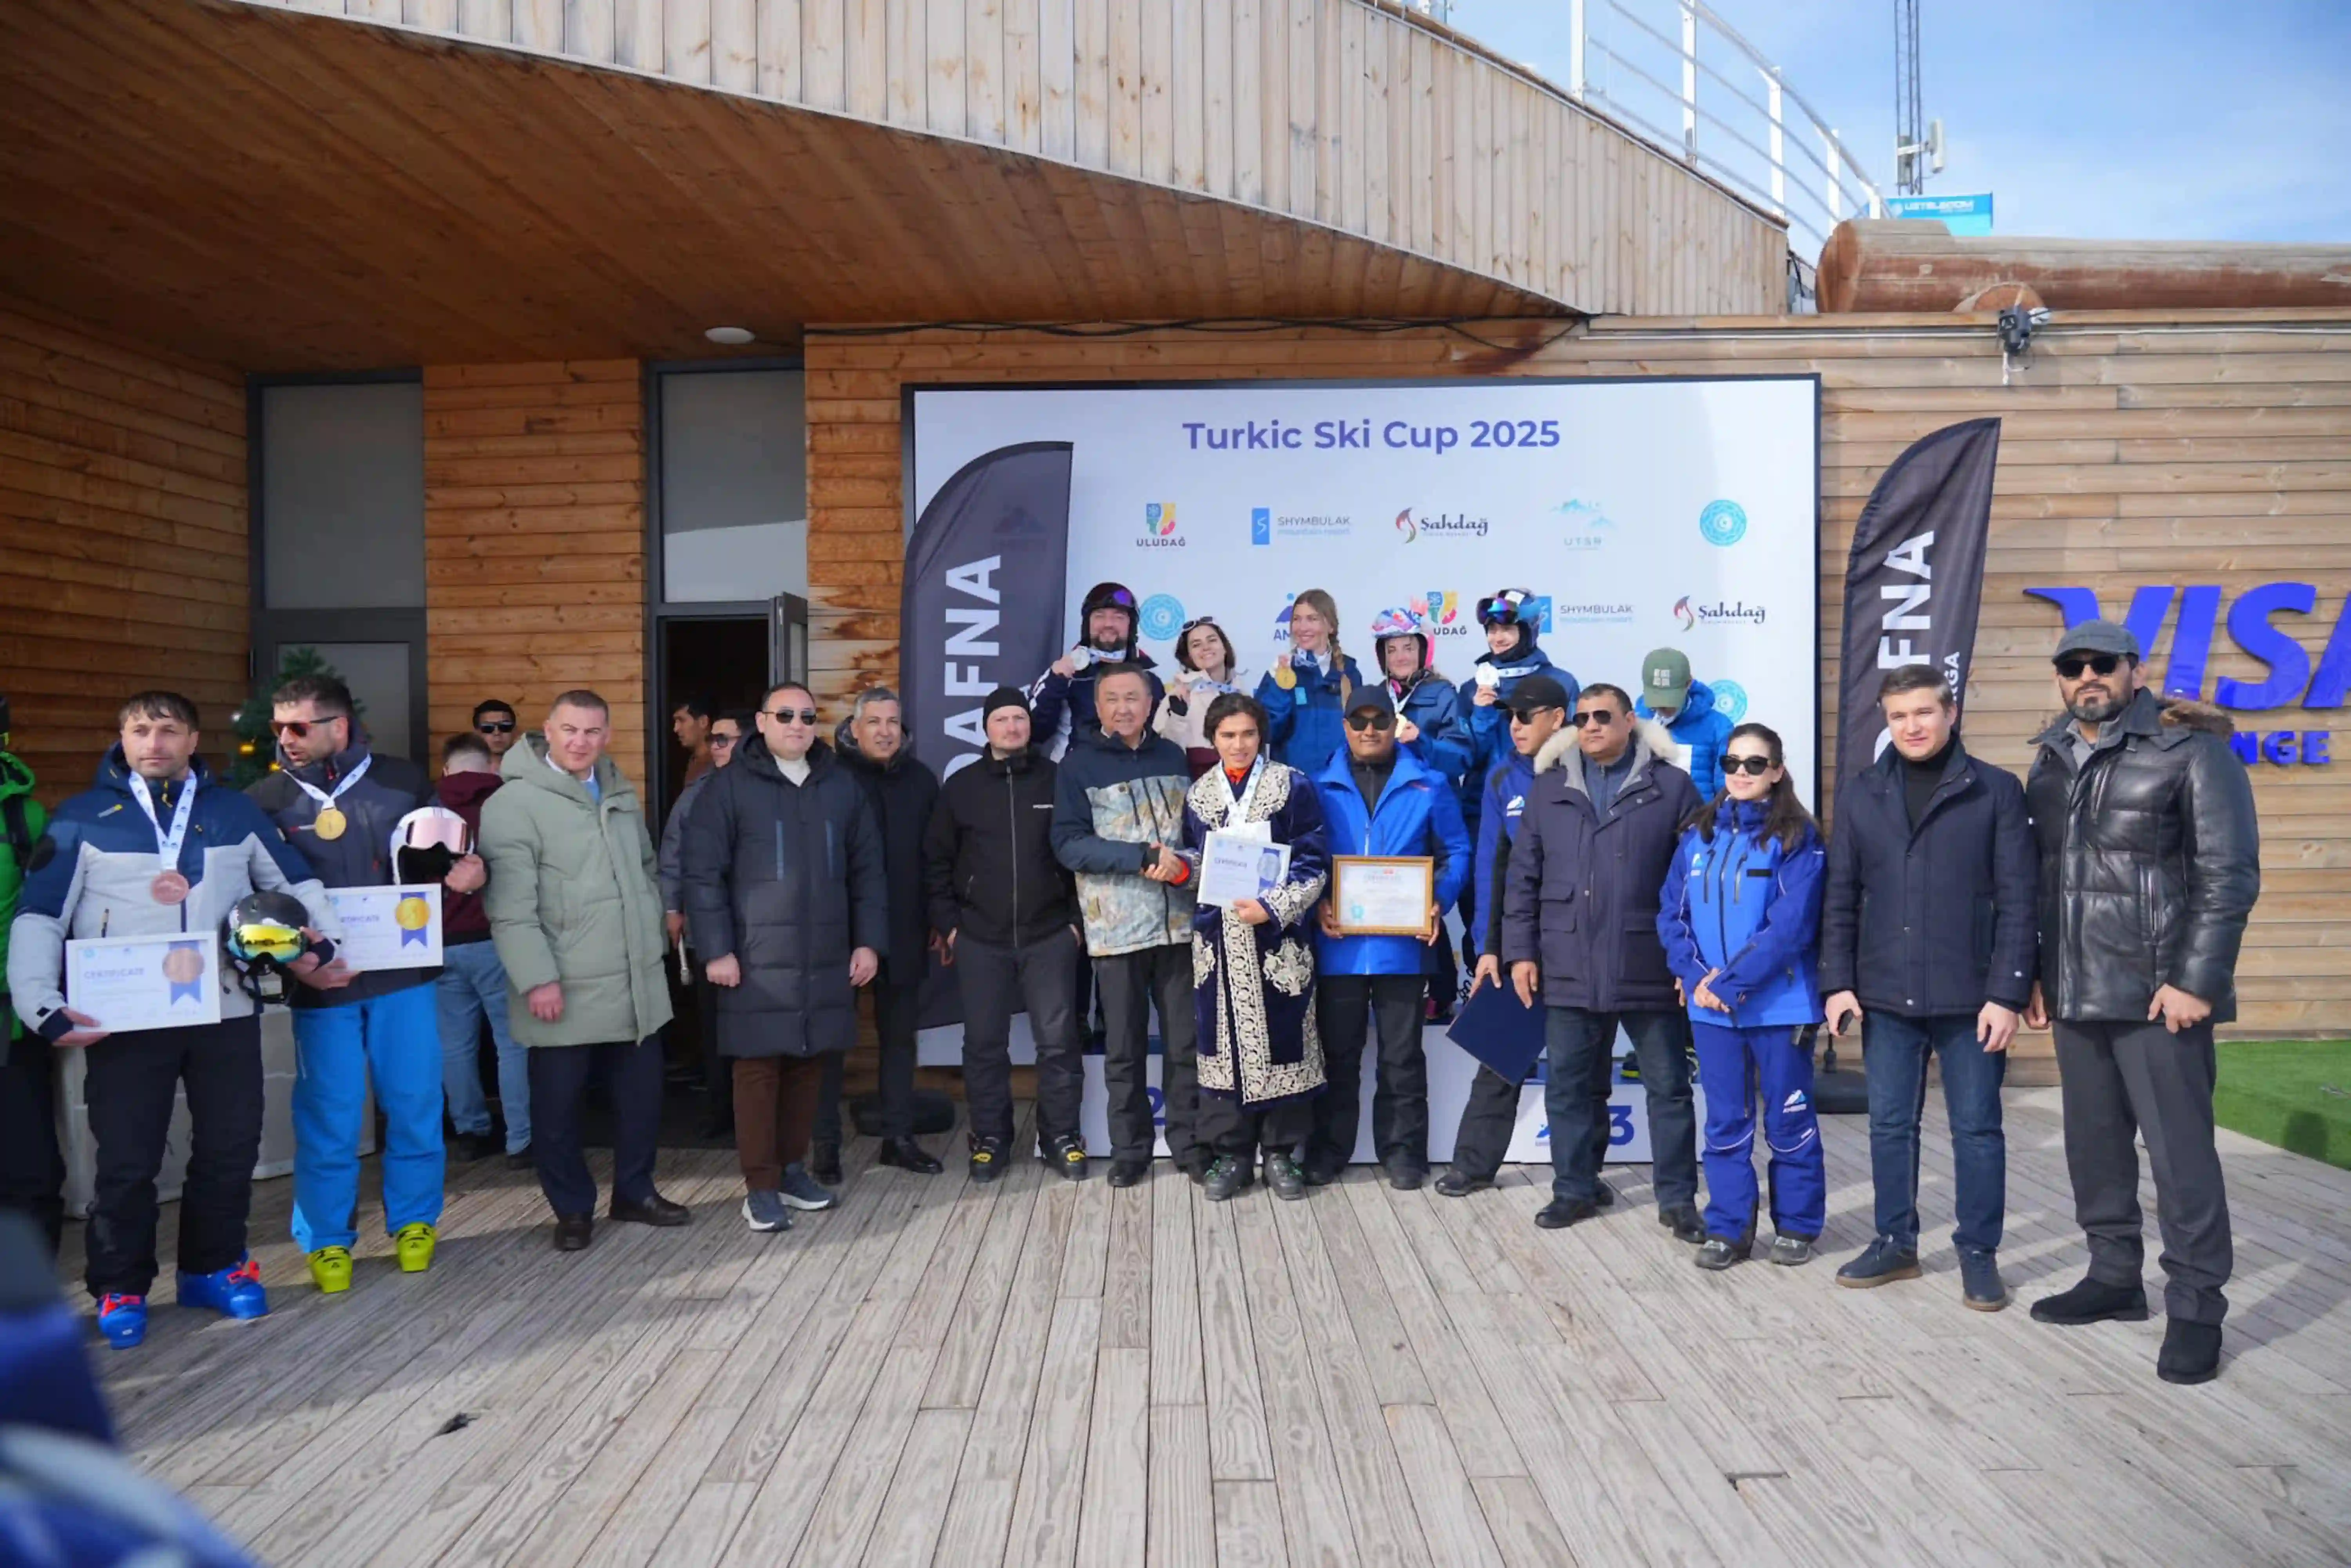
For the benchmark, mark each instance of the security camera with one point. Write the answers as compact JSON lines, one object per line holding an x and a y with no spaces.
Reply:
{"x":2017,"y":325}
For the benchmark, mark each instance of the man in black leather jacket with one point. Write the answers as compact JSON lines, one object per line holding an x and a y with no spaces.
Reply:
{"x":2150,"y":860}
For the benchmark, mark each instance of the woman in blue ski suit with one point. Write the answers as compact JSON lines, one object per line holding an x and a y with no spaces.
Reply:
{"x":1740,"y":915}
{"x":1305,"y":696}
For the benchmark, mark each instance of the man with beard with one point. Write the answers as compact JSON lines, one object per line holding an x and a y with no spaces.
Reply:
{"x":1062,"y":703}
{"x":2150,"y":861}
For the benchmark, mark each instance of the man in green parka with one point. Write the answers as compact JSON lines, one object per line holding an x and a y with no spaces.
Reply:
{"x":32,"y":1173}
{"x":575,"y":909}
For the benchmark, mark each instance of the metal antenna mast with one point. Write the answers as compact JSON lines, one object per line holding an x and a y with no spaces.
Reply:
{"x":1911,"y":131}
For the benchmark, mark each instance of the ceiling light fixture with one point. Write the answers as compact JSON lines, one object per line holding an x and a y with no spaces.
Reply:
{"x":731,"y":336}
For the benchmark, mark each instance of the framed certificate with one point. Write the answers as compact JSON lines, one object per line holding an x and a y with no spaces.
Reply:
{"x":144,"y":982}
{"x":1377,"y":895}
{"x":390,"y":927}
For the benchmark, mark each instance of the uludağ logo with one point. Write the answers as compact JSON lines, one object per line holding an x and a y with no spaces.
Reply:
{"x":1162,"y":618}
{"x":1723,"y":522}
{"x":1730,"y":699}
{"x":1436,"y":609}
{"x":1159,"y":527}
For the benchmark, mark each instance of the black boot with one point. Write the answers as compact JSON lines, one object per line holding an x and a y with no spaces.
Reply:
{"x":2191,"y":1351}
{"x":2091,"y":1302}
{"x":824,"y":1163}
{"x":907,"y":1155}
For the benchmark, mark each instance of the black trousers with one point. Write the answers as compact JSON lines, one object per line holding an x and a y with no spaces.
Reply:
{"x":2124,"y":1078}
{"x":1231,"y":1128}
{"x":1131,"y":984}
{"x":1346,"y":1006}
{"x":1488,"y":1119}
{"x":897,"y":1011}
{"x":133,"y":1080}
{"x":717,"y":1073}
{"x":32,"y":1171}
{"x":996,"y":982}
{"x":559,"y":1096}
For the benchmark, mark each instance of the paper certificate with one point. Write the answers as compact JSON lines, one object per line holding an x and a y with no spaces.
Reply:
{"x":1378,"y":896}
{"x":1239,"y":866}
{"x":388,"y":927}
{"x":144,"y":982}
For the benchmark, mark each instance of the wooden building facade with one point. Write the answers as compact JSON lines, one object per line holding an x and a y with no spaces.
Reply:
{"x":433,"y":188}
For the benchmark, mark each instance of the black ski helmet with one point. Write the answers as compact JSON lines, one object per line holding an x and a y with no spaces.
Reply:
{"x":262,"y":935}
{"x":1111,"y":596}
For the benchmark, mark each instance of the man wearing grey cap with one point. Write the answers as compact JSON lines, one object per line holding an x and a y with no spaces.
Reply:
{"x":2149,"y":864}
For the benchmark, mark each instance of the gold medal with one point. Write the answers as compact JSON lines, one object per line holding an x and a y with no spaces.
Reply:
{"x":331,"y":824}
{"x":1284,"y":677}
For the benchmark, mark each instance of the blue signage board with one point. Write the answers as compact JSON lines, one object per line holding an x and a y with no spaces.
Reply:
{"x":1960,"y":214}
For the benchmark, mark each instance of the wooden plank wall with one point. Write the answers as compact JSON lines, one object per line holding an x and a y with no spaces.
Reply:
{"x":123,"y":559}
{"x":2214,"y":447}
{"x":535,"y":541}
{"x":1360,"y":115}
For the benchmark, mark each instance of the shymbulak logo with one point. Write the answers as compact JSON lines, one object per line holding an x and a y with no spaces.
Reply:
{"x":1163,"y":617}
{"x":1595,"y":612}
{"x":1159,"y":527}
{"x":1723,"y":522}
{"x":1265,"y":525}
{"x":1730,"y":699}
{"x":1722,"y":613}
{"x":1588,"y":527}
{"x":1537,"y":609}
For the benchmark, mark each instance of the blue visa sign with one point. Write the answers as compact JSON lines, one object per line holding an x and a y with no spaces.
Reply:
{"x":2292,"y":681}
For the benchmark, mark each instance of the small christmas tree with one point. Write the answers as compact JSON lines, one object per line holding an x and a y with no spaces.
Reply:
{"x":257,"y":749}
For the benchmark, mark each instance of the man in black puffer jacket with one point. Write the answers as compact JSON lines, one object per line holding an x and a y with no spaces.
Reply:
{"x":1007,"y":911}
{"x":902,"y":792}
{"x":2150,"y":861}
{"x":785,"y":891}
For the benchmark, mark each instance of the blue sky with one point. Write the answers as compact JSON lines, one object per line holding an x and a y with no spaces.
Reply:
{"x":2154,"y":119}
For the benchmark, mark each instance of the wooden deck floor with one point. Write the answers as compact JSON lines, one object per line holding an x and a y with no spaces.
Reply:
{"x":1041,"y":1374}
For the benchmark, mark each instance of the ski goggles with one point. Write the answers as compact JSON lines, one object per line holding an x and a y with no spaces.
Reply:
{"x":282,"y":942}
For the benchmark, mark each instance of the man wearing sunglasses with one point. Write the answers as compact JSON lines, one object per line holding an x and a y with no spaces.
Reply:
{"x":2150,"y":861}
{"x":493,"y":721}
{"x":786,"y":891}
{"x":1380,"y":798}
{"x":1935,"y":847}
{"x":1580,"y":919}
{"x":340,"y":804}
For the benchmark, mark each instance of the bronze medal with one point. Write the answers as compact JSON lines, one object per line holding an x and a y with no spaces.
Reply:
{"x":170,"y":887}
{"x":331,"y":824}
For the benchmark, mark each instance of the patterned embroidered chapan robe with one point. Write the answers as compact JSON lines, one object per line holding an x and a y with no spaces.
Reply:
{"x":1253,"y":985}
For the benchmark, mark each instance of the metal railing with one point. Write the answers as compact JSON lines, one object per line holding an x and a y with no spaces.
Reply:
{"x":1677,"y":75}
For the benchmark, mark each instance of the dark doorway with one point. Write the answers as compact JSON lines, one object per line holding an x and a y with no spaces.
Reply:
{"x":722,"y":660}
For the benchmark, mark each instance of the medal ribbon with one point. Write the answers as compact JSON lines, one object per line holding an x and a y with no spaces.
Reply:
{"x":321,"y":796}
{"x":1237,"y":819}
{"x":167,"y":844}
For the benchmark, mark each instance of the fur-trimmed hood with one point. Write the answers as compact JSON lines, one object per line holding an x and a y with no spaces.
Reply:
{"x":2188,"y":714}
{"x":1650,"y":741}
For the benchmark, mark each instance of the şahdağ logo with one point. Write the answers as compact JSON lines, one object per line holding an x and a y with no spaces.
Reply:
{"x":1723,"y":522}
{"x":1162,"y":618}
{"x":1159,"y":527}
{"x":1457,"y":523}
{"x":1588,"y":527}
{"x":1733,"y":612}
{"x":1730,"y":699}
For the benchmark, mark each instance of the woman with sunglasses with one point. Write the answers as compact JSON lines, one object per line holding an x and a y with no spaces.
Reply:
{"x":1261,"y":1060}
{"x":1305,"y":696}
{"x":1740,"y":915}
{"x":1210,"y":668}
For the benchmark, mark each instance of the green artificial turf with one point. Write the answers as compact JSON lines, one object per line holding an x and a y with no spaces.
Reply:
{"x":2295,"y":1093}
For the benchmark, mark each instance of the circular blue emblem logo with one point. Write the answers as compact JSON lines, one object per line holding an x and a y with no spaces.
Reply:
{"x":1163,"y":617}
{"x":1723,"y":522}
{"x":1730,"y":699}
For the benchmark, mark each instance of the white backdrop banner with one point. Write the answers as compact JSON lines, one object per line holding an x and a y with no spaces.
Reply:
{"x":1646,"y":513}
{"x":1643,"y":514}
